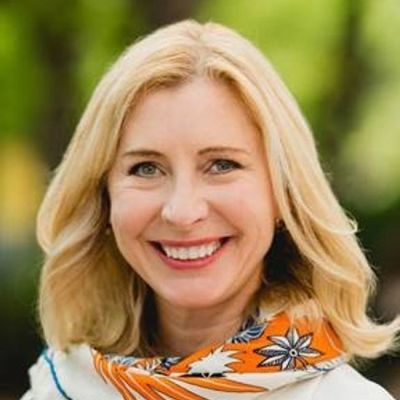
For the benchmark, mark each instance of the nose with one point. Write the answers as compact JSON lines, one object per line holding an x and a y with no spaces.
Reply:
{"x":184,"y":205}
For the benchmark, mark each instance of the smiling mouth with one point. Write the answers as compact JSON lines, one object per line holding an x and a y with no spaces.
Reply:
{"x":194,"y":254}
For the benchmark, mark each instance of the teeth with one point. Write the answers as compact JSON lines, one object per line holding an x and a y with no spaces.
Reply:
{"x":174,"y":253}
{"x":191,"y":253}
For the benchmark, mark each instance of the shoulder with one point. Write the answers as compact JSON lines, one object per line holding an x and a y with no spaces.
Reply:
{"x":28,"y":396}
{"x":41,"y":377}
{"x":60,"y":375}
{"x":347,"y":382}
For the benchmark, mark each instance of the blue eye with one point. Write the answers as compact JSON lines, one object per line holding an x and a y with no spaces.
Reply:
{"x":149,"y":169}
{"x":143,"y":169}
{"x":226,"y":165}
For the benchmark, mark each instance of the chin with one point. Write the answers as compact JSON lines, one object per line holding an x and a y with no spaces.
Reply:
{"x":194,"y":300}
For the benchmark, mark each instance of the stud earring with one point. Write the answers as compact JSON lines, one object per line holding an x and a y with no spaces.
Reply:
{"x":278,"y":224}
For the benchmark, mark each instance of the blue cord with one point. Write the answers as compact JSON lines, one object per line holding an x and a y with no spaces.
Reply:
{"x":54,"y":375}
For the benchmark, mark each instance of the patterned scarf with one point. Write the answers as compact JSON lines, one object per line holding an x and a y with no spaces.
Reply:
{"x":260,"y":358}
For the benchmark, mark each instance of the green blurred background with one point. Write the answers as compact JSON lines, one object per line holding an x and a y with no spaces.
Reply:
{"x":340,"y":58}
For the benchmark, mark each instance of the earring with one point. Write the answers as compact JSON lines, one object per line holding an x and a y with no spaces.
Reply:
{"x":264,"y":279}
{"x":108,"y":229}
{"x":278,"y":224}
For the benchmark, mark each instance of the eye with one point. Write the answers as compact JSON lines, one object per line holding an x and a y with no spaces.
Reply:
{"x":225,"y":165}
{"x":143,"y":169}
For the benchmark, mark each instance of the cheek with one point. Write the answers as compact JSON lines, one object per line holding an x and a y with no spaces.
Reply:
{"x":250,"y":209}
{"x":130,"y":214}
{"x":248,"y":203}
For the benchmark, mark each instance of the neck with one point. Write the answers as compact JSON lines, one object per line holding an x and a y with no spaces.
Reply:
{"x":183,"y":331}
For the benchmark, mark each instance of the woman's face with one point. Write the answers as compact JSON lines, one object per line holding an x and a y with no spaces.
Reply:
{"x":191,"y":167}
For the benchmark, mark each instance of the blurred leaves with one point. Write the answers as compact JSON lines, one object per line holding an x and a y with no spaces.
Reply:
{"x":372,"y":149}
{"x":22,"y":73}
{"x":105,"y":29}
{"x":22,"y":186}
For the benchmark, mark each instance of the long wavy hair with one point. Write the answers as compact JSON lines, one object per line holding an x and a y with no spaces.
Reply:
{"x":316,"y":266}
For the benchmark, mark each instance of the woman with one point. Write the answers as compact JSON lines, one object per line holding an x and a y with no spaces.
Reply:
{"x":194,"y":247}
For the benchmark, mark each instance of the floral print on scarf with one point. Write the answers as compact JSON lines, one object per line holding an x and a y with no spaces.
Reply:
{"x":241,"y":365}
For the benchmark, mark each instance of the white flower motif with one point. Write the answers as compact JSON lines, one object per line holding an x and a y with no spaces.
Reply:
{"x":148,"y":365}
{"x":248,"y":334}
{"x":168,"y":362}
{"x":215,"y":362}
{"x":288,"y":349}
{"x":123,"y":360}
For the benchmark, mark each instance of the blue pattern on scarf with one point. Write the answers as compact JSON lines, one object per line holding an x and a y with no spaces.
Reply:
{"x":54,"y":375}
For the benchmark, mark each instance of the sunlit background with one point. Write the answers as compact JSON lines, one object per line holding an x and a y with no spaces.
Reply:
{"x":340,"y":58}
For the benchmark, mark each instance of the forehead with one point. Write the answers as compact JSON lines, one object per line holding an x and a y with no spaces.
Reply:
{"x":197,"y":112}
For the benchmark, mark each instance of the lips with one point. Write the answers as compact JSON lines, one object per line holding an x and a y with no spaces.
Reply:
{"x":191,"y":264}
{"x":190,"y":243}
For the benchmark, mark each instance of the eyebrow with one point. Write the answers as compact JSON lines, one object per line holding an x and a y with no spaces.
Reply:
{"x":207,"y":150}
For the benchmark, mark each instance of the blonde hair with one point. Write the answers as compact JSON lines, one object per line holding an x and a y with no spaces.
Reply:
{"x":88,"y":292}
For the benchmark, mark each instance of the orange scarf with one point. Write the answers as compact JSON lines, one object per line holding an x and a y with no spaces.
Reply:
{"x":261,"y":357}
